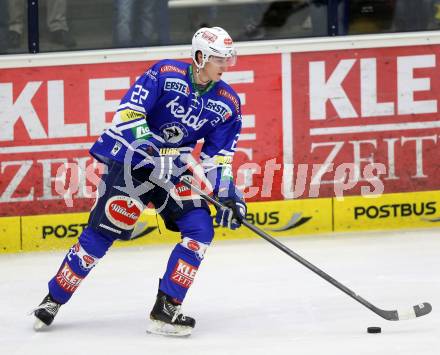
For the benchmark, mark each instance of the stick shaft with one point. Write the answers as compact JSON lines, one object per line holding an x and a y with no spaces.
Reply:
{"x":291,"y":253}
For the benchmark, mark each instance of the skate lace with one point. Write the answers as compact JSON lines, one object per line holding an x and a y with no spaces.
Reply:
{"x":176,"y":312}
{"x":49,"y":306}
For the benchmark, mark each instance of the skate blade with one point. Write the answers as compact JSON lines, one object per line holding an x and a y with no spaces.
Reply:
{"x":39,"y":325}
{"x":161,"y":328}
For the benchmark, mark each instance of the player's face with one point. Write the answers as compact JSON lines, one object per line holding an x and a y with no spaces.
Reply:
{"x":214,"y":72}
{"x":216,"y":66}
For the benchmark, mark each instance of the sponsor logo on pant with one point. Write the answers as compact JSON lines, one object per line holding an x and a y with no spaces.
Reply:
{"x":123,"y":211}
{"x":183,"y":274}
{"x":67,"y":279}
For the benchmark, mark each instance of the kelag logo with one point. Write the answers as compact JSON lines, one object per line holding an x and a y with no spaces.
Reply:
{"x":395,"y":210}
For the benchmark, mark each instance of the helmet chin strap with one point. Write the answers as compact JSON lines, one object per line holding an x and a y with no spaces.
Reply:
{"x":199,"y":79}
{"x":197,"y":72}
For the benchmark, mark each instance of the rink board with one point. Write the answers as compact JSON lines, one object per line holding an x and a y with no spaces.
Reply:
{"x":388,"y":211}
{"x":347,"y":100}
{"x":10,"y":236}
{"x":280,"y":218}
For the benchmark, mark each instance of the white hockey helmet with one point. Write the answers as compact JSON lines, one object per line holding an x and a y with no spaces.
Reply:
{"x":216,"y":46}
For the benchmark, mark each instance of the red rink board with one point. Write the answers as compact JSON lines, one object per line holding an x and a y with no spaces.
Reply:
{"x":373,"y":105}
{"x":47,"y":111}
{"x":348,"y":106}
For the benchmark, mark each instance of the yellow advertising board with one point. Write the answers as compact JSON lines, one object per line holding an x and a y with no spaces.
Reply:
{"x":285,"y":218}
{"x":280,"y":218}
{"x":10,"y":236}
{"x":55,"y":231}
{"x":390,"y":211}
{"x":60,"y":231}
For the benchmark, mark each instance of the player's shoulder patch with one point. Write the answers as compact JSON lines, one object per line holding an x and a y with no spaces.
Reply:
{"x":173,"y":66}
{"x":152,"y":73}
{"x":230,"y":95}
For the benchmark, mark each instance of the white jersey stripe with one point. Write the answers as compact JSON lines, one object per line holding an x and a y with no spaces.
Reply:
{"x":132,"y":106}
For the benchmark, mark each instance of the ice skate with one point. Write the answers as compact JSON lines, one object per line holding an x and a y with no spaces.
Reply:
{"x":167,"y":320}
{"x":45,"y":313}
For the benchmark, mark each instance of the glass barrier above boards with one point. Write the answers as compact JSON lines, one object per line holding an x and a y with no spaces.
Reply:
{"x":60,"y":25}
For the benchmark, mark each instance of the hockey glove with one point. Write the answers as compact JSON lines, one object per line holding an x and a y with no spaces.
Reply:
{"x":234,"y":211}
{"x":166,"y":164}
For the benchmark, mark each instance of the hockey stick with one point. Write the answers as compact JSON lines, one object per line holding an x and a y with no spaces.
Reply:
{"x":418,"y":310}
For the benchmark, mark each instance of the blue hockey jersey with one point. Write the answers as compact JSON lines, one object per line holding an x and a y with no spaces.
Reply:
{"x":165,"y":107}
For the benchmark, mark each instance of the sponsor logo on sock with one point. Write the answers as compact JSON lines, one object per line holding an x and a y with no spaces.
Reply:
{"x":183,"y":274}
{"x":67,"y":279}
{"x":86,"y":261}
{"x":193,"y":245}
{"x":198,"y":248}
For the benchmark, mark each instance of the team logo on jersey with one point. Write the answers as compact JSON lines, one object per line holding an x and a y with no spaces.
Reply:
{"x":229,"y":96}
{"x":178,"y":111}
{"x":172,"y":69}
{"x":177,"y":85}
{"x":183,"y":273}
{"x":220,"y":108}
{"x":67,"y":279}
{"x":152,"y":74}
{"x":173,"y":132}
{"x":123,"y":211}
{"x":116,"y":148}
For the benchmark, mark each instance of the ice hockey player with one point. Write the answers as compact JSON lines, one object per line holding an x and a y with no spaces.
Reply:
{"x":157,"y":124}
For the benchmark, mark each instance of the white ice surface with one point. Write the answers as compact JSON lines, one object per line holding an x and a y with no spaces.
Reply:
{"x":248,"y":298}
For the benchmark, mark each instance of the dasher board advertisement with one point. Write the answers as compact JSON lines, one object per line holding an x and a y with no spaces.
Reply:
{"x":316,"y":124}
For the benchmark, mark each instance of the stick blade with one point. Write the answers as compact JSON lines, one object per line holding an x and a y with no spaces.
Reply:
{"x":422,"y":309}
{"x":418,"y":310}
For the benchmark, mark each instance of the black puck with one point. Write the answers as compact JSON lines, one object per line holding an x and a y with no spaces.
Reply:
{"x":374,"y":330}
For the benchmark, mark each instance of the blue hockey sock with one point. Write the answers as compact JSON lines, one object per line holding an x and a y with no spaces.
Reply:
{"x":181,"y":270}
{"x":197,"y":233}
{"x":78,"y":262}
